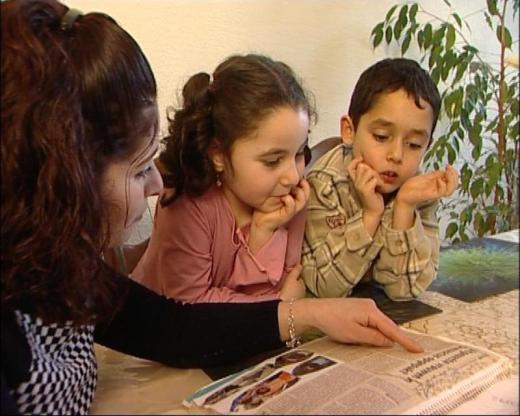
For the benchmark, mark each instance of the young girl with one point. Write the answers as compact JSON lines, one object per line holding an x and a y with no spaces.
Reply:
{"x":235,"y":156}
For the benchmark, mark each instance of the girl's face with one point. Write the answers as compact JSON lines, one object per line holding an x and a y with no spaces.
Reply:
{"x":126,"y":186}
{"x":265,"y":165}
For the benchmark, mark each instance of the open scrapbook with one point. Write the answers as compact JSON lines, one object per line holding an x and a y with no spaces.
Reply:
{"x":325,"y":377}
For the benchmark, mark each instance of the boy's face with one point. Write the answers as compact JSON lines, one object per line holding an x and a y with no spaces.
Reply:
{"x":391,"y":137}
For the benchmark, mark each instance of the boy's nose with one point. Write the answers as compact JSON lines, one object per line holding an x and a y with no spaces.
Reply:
{"x":395,"y":153}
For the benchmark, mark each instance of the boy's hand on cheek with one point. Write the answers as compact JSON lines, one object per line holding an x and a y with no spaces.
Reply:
{"x":429,"y":186}
{"x":365,"y":181}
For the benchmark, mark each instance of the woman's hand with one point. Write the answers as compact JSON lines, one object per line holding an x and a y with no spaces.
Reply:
{"x":347,"y":320}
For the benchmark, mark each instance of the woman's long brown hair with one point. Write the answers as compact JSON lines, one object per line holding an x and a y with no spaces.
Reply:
{"x":73,"y":100}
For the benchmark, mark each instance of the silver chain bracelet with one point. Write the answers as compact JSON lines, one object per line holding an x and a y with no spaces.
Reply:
{"x":293,"y":341}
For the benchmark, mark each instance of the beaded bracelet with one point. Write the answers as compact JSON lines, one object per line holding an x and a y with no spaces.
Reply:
{"x":293,"y":341}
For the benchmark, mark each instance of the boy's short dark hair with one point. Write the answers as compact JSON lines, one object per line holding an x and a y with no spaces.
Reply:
{"x":389,"y":75}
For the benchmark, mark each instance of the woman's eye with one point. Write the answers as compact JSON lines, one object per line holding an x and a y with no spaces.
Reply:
{"x":143,"y":173}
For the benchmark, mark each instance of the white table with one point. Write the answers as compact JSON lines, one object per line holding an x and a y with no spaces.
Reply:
{"x":134,"y":386}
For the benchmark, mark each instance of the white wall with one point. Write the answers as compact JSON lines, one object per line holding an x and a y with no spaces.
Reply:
{"x":327,"y":42}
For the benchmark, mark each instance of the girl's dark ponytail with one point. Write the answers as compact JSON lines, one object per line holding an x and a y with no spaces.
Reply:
{"x":189,"y":169}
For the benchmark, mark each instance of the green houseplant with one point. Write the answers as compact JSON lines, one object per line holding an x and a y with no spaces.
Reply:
{"x":480,"y":109}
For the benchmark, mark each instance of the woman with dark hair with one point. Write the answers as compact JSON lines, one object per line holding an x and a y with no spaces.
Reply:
{"x":78,"y":137}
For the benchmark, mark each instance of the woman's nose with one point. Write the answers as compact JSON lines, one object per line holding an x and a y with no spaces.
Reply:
{"x":155,"y":184}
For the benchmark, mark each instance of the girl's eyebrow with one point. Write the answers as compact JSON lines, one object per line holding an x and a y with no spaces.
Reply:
{"x":278,"y":151}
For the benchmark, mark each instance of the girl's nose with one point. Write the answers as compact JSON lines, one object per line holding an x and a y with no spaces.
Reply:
{"x":292,"y":175}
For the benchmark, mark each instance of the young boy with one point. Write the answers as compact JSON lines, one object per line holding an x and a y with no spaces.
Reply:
{"x":371,"y":215}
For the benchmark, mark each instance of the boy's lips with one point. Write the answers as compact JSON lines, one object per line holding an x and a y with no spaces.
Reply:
{"x":388,"y":176}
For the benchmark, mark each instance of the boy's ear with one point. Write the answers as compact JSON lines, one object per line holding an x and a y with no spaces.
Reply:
{"x":216,"y":156}
{"x":347,"y":129}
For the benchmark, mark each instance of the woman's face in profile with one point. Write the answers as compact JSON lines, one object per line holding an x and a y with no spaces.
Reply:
{"x":126,"y":186}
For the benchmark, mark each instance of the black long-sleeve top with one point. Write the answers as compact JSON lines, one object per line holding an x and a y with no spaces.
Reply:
{"x":146,"y":325}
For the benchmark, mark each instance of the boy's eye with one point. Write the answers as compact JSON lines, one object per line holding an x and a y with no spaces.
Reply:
{"x":415,"y":146}
{"x":380,"y":137}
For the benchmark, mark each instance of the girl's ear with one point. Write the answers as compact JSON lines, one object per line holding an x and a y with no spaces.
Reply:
{"x":216,"y":156}
{"x":347,"y":129}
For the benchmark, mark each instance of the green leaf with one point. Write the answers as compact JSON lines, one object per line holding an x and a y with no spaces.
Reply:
{"x":420,"y":38}
{"x":413,"y":12}
{"x":427,"y":35}
{"x":456,"y":144}
{"x":451,"y":155}
{"x":388,"y":34}
{"x":377,"y":38}
{"x":377,"y":28}
{"x":488,"y":188}
{"x":406,"y":44}
{"x":477,"y":150}
{"x":492,"y":7}
{"x":479,"y":224}
{"x":488,"y":20}
{"x":499,"y":33}
{"x":438,"y":35}
{"x":450,"y":37}
{"x":507,"y":40}
{"x":461,"y":69}
{"x":465,"y":214}
{"x":451,"y":229}
{"x":457,"y":19}
{"x":390,"y":12}
{"x":494,"y":173}
{"x":476,"y":188}
{"x":403,"y":14}
{"x":398,"y":28}
{"x":465,"y":176}
{"x":435,"y":74}
{"x":445,"y":71}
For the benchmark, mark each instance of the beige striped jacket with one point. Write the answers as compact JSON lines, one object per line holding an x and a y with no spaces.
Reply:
{"x":338,"y":252}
